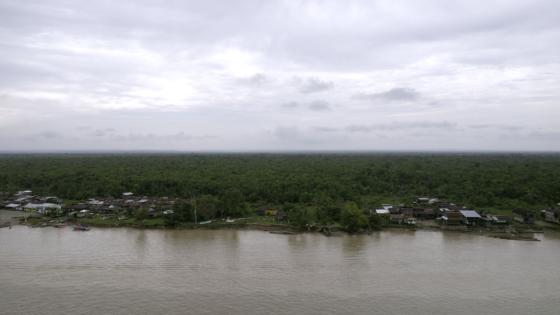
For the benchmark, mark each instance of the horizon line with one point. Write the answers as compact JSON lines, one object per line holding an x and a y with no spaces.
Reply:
{"x":334,"y":151}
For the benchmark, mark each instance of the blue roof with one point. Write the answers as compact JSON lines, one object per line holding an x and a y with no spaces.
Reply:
{"x":470,"y":214}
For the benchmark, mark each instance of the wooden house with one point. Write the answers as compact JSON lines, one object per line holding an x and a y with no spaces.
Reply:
{"x":524,"y":216}
{"x":269,"y":212}
{"x":552,"y":215}
{"x":424,"y":213}
{"x":396,"y":218}
{"x":452,"y":218}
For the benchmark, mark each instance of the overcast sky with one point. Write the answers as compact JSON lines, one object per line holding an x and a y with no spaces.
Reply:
{"x":279,"y":75}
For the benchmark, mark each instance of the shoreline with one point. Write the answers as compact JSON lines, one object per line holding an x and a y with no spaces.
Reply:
{"x":512,"y":232}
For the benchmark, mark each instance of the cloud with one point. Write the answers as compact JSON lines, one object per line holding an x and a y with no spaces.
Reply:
{"x":496,"y":126}
{"x":325,"y":129}
{"x":287,"y":133}
{"x":319,"y":106}
{"x":151,"y":137}
{"x":394,"y":126}
{"x":316,"y":105}
{"x":547,"y":135}
{"x":103,"y":132}
{"x":314,"y":85}
{"x":395,"y":94}
{"x":257,"y":79}
{"x":290,"y":105}
{"x":232,"y":70}
{"x":49,"y":135}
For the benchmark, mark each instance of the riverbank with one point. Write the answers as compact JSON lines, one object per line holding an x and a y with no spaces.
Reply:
{"x":509,"y":232}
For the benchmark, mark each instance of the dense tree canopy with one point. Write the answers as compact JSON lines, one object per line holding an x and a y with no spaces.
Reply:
{"x":230,"y":182}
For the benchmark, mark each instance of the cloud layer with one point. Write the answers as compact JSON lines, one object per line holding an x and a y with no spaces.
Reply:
{"x":279,"y":75}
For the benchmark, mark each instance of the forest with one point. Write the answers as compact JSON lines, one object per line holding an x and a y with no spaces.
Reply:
{"x":323,"y":186}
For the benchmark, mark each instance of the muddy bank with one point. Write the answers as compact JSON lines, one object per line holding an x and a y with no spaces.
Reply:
{"x":517,"y":232}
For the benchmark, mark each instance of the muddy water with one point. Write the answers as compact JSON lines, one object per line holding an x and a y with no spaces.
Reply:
{"x":129,"y":271}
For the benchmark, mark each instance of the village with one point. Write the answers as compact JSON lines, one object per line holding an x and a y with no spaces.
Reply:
{"x":424,"y":212}
{"x":119,"y":208}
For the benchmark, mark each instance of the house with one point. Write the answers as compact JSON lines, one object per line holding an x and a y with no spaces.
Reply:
{"x":407,"y":212}
{"x":281,"y":216}
{"x":470,"y":217}
{"x":395,"y":210}
{"x":382,"y":211}
{"x":452,"y":218}
{"x":433,"y":201}
{"x":108,"y":209}
{"x":51,"y":199}
{"x":23,"y":193}
{"x":429,"y":214}
{"x":494,"y":219}
{"x":424,"y":213}
{"x":269,"y":212}
{"x":76,"y":207}
{"x":396,"y":218}
{"x":552,"y":215}
{"x":500,"y":219}
{"x":524,"y":216}
{"x":44,"y":208}
{"x":83,"y":213}
{"x":410,"y":221}
{"x":153,"y":212}
{"x":22,"y":199}
{"x":94,"y":202}
{"x":386,"y":206}
{"x":13,"y":206}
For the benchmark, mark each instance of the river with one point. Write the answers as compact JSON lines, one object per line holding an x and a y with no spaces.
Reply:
{"x":131,"y":271}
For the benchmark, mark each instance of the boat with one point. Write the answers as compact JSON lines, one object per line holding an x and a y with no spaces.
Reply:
{"x":81,"y":227}
{"x":282,"y":232}
{"x":59,"y":225}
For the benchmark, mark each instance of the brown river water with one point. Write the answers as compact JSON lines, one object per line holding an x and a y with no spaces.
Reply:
{"x":130,"y":271}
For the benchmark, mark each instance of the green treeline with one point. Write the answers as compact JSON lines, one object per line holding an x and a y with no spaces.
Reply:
{"x":329,"y":185}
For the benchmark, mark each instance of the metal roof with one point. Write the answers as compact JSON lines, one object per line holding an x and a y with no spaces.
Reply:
{"x":470,"y":214}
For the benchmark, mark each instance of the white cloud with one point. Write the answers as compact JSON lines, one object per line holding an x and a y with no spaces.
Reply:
{"x":223,"y":71}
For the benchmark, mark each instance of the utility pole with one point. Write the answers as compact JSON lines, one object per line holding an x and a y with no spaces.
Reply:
{"x":194,"y":205}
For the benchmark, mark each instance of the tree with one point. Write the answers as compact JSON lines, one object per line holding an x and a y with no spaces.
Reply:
{"x":182,"y":212}
{"x":141,"y":214}
{"x":299,"y":217}
{"x":231,"y":202}
{"x":353,"y":218}
{"x":206,"y":207}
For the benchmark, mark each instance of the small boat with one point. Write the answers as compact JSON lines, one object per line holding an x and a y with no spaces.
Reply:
{"x":81,"y":227}
{"x":59,"y":225}
{"x":282,"y":232}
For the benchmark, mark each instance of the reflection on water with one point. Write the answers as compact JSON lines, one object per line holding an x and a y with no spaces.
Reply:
{"x":124,"y":271}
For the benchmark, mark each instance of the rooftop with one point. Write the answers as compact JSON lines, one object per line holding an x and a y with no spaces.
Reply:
{"x":470,"y":214}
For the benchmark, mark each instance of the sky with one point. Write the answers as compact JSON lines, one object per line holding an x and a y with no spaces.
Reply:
{"x":270,"y":75}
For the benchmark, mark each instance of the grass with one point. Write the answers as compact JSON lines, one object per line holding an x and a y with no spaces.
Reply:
{"x":259,"y":220}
